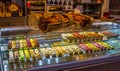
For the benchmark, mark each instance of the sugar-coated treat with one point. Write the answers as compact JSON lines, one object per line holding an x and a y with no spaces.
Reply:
{"x":27,"y":55}
{"x":36,"y":42}
{"x":10,"y":44}
{"x":21,"y":57}
{"x":17,"y":44}
{"x":13,"y":44}
{"x":86,"y":48}
{"x":32,"y":42}
{"x":32,"y":53}
{"x":28,"y":42}
{"x":82,"y":37}
{"x":11,"y":57}
{"x":92,"y":46}
{"x":23,"y":43}
{"x":37,"y":54}
{"x":99,"y":46}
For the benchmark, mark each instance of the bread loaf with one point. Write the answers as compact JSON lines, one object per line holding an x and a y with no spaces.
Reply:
{"x":33,"y":21}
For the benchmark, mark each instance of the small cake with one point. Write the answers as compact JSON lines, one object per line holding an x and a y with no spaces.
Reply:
{"x":13,"y":44}
{"x":69,"y":38}
{"x":32,"y":53}
{"x":109,"y":34}
{"x":99,"y":46}
{"x":27,"y":55}
{"x":107,"y":46}
{"x":84,"y":47}
{"x":94,"y":48}
{"x":44,"y":52}
{"x":11,"y":57}
{"x":28,"y":42}
{"x":21,"y":57}
{"x":37,"y":54}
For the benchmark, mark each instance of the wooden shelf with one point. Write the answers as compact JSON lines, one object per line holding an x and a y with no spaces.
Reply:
{"x":93,"y":15}
{"x":115,"y":10}
{"x":89,"y":3}
{"x":12,"y":17}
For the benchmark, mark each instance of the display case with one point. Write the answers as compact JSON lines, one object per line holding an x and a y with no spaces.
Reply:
{"x":61,"y":51}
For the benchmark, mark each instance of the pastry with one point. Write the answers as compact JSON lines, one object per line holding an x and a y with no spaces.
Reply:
{"x":36,"y":42}
{"x":32,"y":42}
{"x":28,"y":42}
{"x":32,"y":53}
{"x":21,"y":55}
{"x":11,"y":56}
{"x":13,"y":44}
{"x":37,"y":54}
{"x":99,"y":46}
{"x":27,"y":55}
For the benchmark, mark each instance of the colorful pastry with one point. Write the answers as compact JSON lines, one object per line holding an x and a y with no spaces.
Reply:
{"x":21,"y":56}
{"x":45,"y":53}
{"x":13,"y":44}
{"x":17,"y":44}
{"x":94,"y":48}
{"x":11,"y":56}
{"x":10,"y":44}
{"x":109,"y":34}
{"x":21,"y":43}
{"x":32,"y":42}
{"x":36,"y":42}
{"x":99,"y":46}
{"x":37,"y":54}
{"x":32,"y":53}
{"x":84,"y":47}
{"x":27,"y":55}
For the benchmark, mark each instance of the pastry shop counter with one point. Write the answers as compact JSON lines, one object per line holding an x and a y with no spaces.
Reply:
{"x":36,"y":53}
{"x":57,"y":51}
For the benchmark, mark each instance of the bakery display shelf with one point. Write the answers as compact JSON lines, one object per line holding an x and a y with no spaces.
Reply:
{"x":54,"y":8}
{"x":45,"y":59}
{"x":58,"y":60}
{"x":36,"y":7}
{"x":13,"y":17}
{"x":94,"y":15}
{"x":37,"y":3}
{"x":53,"y":52}
{"x":114,"y":10}
{"x":36,"y":0}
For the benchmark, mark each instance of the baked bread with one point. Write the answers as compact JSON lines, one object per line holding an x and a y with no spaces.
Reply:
{"x":49,"y":22}
{"x":33,"y":20}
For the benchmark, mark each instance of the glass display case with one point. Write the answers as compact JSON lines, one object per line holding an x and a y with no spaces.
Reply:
{"x":60,"y":50}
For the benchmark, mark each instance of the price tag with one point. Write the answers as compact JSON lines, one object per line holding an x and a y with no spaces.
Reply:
{"x":4,"y":48}
{"x":41,"y":45}
{"x":5,"y":62}
{"x":46,"y":44}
